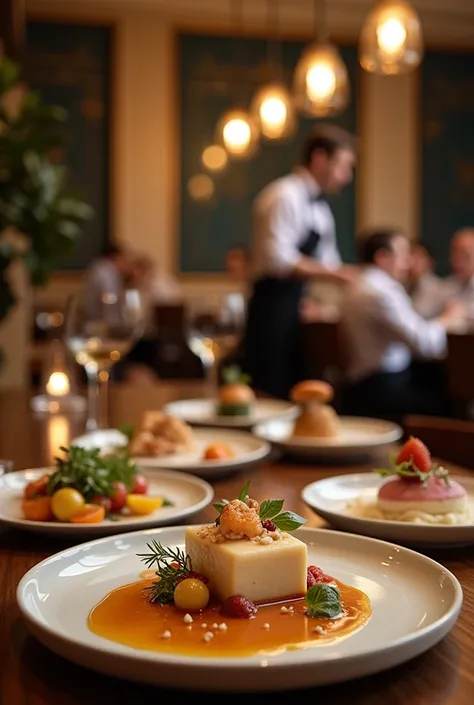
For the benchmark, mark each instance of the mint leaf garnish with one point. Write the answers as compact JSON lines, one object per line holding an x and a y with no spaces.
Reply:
{"x":244,"y":491}
{"x":324,"y":601}
{"x":288,"y":521}
{"x":270,"y":508}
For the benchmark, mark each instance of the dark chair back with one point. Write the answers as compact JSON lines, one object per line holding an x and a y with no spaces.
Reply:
{"x":451,"y":440}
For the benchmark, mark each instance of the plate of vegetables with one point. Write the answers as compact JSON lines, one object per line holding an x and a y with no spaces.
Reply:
{"x":89,"y":493}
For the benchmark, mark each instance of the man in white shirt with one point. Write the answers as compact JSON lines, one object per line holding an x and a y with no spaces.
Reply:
{"x":294,"y":240}
{"x":385,"y":336}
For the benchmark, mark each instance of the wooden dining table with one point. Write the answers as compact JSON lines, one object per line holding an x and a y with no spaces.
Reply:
{"x":30,"y":674}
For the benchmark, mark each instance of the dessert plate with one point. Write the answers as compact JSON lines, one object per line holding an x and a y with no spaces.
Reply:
{"x":201,"y":412}
{"x":246,"y":448}
{"x":187,"y":494}
{"x":415,"y":602}
{"x":358,"y":437}
{"x":329,"y":499}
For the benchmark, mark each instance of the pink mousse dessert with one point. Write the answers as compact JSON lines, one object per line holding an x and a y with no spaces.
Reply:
{"x":434,"y":496}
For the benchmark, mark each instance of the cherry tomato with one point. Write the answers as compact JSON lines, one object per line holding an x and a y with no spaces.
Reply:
{"x":140,"y":486}
{"x":36,"y":488}
{"x":66,"y":502}
{"x":103,"y":501}
{"x":38,"y":509}
{"x":118,"y":496}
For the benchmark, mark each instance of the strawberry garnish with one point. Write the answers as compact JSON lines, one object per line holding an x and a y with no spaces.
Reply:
{"x":414,"y":463}
{"x":416,"y":453}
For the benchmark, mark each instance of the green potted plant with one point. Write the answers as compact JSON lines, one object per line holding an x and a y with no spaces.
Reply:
{"x":40,"y":218}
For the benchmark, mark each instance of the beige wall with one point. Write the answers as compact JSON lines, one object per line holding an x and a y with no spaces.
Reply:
{"x":145,"y":145}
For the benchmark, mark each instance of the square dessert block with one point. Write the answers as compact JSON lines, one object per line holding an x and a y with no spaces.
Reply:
{"x":261,"y":572}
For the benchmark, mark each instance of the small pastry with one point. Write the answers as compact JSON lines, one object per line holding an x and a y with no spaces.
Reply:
{"x":235,"y":396}
{"x":317,"y":419}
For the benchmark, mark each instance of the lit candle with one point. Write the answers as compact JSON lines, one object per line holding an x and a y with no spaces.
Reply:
{"x":58,"y":384}
{"x":58,"y":435}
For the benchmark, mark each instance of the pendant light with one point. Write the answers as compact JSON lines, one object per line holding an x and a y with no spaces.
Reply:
{"x":321,"y":82}
{"x":272,"y":103}
{"x":391,"y":40}
{"x":237,"y":130}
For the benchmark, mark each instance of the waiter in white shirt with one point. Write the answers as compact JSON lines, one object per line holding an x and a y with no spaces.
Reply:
{"x":294,"y":240}
{"x":387,"y":340}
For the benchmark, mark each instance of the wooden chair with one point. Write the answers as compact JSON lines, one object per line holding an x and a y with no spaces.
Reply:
{"x":448,"y":439}
{"x":459,"y":367}
{"x":174,"y":359}
{"x":324,"y":351}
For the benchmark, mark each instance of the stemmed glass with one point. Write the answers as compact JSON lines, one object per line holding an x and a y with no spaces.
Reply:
{"x":100,"y":328}
{"x":213,"y":331}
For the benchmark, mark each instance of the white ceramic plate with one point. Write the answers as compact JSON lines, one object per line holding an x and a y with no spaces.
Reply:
{"x":201,"y":412}
{"x":247,"y":450}
{"x":187,"y":493}
{"x":329,"y":499}
{"x":415,"y":602}
{"x":358,"y":436}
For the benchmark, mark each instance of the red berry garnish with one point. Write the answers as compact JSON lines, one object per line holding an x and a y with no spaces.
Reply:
{"x":268,"y":525}
{"x":196,"y":576}
{"x":314,"y":575}
{"x":238,"y":606}
{"x":416,"y":453}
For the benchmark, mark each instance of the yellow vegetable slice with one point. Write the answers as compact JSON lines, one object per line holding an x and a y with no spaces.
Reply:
{"x":143,"y":504}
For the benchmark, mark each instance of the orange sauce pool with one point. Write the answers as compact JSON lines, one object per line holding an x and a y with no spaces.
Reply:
{"x":125,"y":616}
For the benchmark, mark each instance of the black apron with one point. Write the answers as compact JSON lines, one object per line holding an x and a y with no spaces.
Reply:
{"x":274,"y":354}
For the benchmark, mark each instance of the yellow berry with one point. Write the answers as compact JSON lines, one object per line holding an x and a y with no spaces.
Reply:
{"x":191,"y":595}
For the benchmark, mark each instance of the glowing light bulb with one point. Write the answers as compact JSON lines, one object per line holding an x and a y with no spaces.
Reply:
{"x":236,"y":135}
{"x":273,"y":112}
{"x":320,"y":82}
{"x":215,"y":158}
{"x":58,"y":384}
{"x":201,"y":187}
{"x":391,"y":36}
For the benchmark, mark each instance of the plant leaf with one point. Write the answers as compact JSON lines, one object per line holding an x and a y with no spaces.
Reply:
{"x":324,"y":601}
{"x":244,"y":491}
{"x":270,"y":508}
{"x":288,"y":521}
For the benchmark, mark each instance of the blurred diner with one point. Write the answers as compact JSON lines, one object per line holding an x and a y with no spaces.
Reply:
{"x":391,"y":351}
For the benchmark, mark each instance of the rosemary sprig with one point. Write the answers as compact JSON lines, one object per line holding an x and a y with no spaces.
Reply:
{"x":171,"y":566}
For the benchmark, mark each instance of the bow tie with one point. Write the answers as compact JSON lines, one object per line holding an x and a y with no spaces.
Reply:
{"x":319,"y":198}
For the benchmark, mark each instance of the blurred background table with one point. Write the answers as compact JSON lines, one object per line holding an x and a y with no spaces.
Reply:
{"x":31,"y":675}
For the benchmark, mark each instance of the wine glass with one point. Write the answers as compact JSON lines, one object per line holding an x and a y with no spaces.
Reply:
{"x":100,"y":328}
{"x":213,"y":331}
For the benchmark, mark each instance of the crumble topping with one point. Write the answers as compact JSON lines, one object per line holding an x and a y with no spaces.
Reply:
{"x":240,"y":520}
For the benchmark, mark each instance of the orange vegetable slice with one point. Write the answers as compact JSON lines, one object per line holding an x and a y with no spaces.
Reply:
{"x":38,"y":509}
{"x":36,"y":488}
{"x":89,"y":514}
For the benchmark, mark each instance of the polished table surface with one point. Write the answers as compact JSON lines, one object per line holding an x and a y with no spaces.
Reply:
{"x":32,"y":675}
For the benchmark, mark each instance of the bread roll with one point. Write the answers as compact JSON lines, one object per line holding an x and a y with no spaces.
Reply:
{"x":317,"y":421}
{"x":236,"y":394}
{"x":312,"y":390}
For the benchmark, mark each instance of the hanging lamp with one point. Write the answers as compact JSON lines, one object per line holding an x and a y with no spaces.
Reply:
{"x":272,"y":104}
{"x":391,"y":40}
{"x":321,"y":82}
{"x":237,"y":130}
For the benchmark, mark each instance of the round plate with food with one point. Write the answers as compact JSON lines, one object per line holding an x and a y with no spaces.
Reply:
{"x":413,"y":501}
{"x":88,"y":495}
{"x":356,"y":437}
{"x":206,"y":412}
{"x":235,"y":404}
{"x":272,"y":607}
{"x":207,"y":452}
